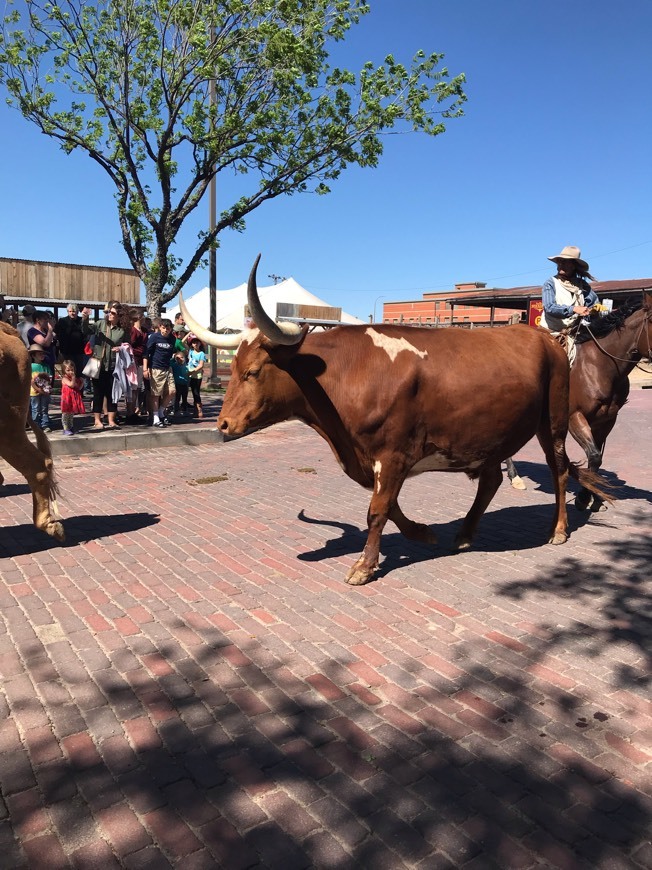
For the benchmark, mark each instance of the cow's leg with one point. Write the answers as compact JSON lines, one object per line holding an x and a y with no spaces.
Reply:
{"x":557,"y":459}
{"x":387,"y":485}
{"x":514,"y":478}
{"x":581,"y":432}
{"x":489,"y":480}
{"x":414,"y":531}
{"x":38,"y":471}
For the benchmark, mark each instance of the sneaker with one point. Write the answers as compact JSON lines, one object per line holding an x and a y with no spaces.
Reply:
{"x":68,"y":432}
{"x":47,"y":430}
{"x":159,"y":424}
{"x":165,"y":422}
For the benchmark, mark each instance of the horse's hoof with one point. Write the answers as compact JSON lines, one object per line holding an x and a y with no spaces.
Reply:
{"x":517,"y":482}
{"x":55,"y":530}
{"x":558,"y":538}
{"x":598,"y":506}
{"x":582,"y":502}
{"x":460,"y":544}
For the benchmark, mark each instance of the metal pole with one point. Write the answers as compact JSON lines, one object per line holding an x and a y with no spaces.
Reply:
{"x":213,"y":380}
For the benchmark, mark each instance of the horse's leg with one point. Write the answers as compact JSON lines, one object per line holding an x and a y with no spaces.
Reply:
{"x":582,"y":433}
{"x":597,"y":504}
{"x":414,"y":531}
{"x":383,"y":502}
{"x":38,"y":471}
{"x":555,"y":452}
{"x":489,"y":480}
{"x":514,"y":478}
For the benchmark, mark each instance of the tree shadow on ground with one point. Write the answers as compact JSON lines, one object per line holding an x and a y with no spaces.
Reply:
{"x":25,"y":539}
{"x":259,"y":767}
{"x":623,"y":598}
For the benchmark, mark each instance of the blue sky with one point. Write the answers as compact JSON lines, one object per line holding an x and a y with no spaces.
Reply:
{"x":554,"y":149}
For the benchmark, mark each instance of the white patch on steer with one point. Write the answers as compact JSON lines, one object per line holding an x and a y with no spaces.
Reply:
{"x":393,"y":346}
{"x":441,"y":462}
{"x":248,"y":337}
{"x":378,"y":467}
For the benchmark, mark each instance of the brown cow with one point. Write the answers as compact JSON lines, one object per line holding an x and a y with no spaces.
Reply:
{"x":394,"y":401}
{"x":33,"y":462}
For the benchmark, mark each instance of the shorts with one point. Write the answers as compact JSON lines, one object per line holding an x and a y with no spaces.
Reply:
{"x":161,"y":382}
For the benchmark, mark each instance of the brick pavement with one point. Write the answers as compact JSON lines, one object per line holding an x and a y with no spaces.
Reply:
{"x":189,"y":681}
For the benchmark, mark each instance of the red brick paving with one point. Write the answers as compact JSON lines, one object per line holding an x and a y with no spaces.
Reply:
{"x":189,"y":682}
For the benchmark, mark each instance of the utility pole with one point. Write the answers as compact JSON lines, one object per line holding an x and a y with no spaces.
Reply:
{"x":277,"y":278}
{"x":213,"y":380}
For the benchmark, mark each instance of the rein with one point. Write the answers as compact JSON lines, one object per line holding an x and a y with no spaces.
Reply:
{"x":620,"y":359}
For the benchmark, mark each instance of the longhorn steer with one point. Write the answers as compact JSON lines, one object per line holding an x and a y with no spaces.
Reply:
{"x":394,"y":401}
{"x":33,"y":462}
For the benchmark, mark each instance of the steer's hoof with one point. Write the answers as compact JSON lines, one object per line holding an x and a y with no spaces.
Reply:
{"x":421,"y":533}
{"x":518,"y":483}
{"x":597,"y":506}
{"x":360,"y":574}
{"x":55,"y":530}
{"x":460,"y":544}
{"x":558,"y":538}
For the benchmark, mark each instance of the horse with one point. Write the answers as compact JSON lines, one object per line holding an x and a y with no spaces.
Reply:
{"x":607,"y":350}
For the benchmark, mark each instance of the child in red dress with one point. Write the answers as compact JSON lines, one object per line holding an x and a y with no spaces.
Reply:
{"x":72,"y":401}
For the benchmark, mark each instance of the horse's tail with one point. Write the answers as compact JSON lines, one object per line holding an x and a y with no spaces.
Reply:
{"x":43,"y":444}
{"x":592,"y":481}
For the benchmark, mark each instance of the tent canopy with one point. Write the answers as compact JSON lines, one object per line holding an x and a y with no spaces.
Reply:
{"x":231,"y":304}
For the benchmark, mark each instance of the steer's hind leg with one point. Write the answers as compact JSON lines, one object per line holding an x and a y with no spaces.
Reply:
{"x":555,"y":453}
{"x":488,"y":482}
{"x":414,"y":531}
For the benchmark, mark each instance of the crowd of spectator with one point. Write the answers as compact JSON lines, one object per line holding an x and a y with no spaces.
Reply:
{"x":153,"y":366}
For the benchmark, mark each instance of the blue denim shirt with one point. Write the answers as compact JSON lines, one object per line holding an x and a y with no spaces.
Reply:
{"x":551,"y":307}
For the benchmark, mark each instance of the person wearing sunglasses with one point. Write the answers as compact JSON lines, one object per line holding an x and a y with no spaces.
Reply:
{"x":109,"y":334}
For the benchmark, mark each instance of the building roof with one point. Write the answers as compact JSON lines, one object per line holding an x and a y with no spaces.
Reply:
{"x":519,"y":297}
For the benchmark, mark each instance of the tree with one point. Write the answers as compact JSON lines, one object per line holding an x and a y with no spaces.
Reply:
{"x":128,"y":82}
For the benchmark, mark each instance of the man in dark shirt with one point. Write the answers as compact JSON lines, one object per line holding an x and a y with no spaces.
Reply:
{"x":72,"y":340}
{"x":156,"y":369}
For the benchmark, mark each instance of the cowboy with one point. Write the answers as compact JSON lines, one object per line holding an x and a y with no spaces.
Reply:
{"x":567,"y":297}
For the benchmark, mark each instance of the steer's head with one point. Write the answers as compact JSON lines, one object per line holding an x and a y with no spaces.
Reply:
{"x":261,"y":391}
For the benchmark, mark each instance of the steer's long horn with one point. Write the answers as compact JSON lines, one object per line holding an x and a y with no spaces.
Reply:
{"x":278,"y":333}
{"x":225,"y":342}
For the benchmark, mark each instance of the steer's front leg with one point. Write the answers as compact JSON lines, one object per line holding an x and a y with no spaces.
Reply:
{"x":383,"y":501}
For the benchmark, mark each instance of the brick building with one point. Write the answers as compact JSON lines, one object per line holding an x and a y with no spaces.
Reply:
{"x":476,"y":305}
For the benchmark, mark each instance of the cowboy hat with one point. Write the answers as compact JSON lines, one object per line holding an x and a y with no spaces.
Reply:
{"x":570,"y":252}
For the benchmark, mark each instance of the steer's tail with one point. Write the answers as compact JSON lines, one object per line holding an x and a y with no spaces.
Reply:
{"x":592,"y":481}
{"x":43,"y":444}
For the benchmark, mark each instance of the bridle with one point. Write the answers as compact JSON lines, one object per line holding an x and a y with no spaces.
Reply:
{"x":644,"y":322}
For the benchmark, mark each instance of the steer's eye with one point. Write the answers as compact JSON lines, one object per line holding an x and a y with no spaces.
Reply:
{"x":251,"y":373}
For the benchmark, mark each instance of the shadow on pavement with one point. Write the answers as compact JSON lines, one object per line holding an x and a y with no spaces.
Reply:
{"x":276,"y":771}
{"x":539,"y":474}
{"x":25,"y":539}
{"x":511,"y":529}
{"x":625,"y":607}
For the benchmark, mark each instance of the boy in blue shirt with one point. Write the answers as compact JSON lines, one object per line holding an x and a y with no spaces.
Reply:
{"x":156,"y":369}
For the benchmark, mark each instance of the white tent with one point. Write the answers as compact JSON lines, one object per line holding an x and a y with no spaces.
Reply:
{"x":230,"y":304}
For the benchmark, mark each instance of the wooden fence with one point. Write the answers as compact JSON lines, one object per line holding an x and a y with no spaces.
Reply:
{"x":65,"y":282}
